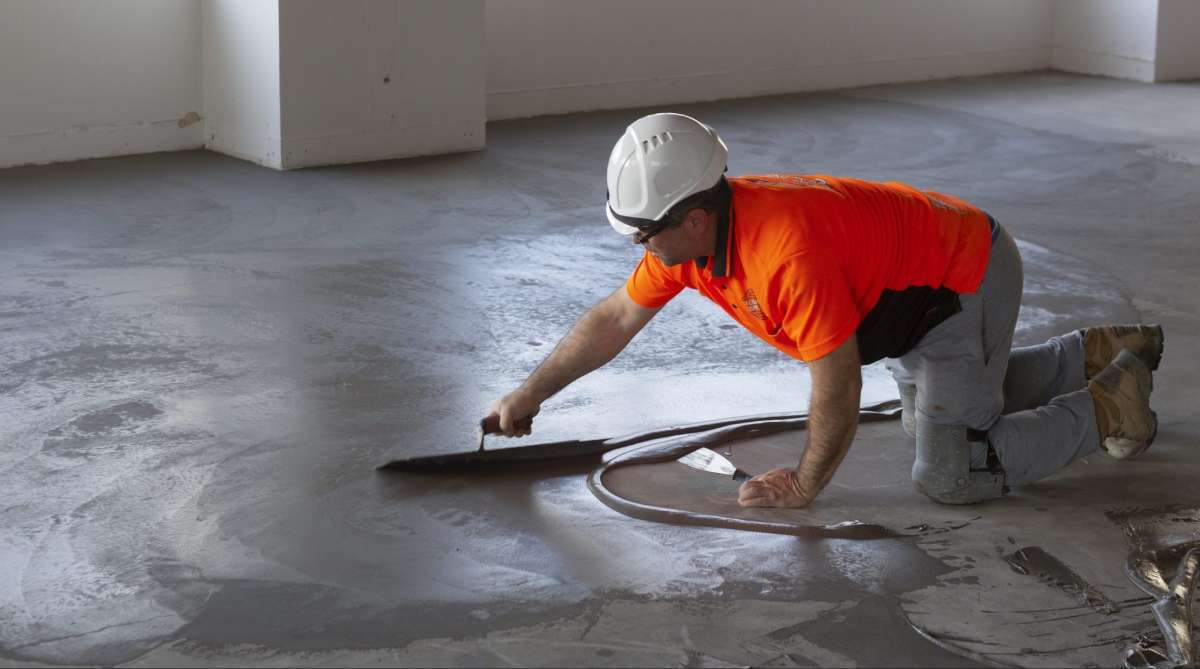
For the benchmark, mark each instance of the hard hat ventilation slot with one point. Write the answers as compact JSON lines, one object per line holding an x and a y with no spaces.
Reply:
{"x":655,"y":142}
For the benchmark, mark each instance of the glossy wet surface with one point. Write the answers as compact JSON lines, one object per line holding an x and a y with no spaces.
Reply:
{"x":202,"y":362}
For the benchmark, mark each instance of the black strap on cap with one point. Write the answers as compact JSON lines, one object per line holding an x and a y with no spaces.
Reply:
{"x":639,"y":223}
{"x":649,"y":223}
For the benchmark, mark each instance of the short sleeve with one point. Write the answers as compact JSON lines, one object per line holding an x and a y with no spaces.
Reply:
{"x":652,"y":285}
{"x":818,"y":307}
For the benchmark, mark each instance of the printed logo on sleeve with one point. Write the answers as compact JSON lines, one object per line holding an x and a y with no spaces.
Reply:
{"x":752,"y":305}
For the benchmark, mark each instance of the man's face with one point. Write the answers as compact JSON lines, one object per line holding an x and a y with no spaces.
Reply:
{"x":678,"y":244}
{"x":665,"y":245}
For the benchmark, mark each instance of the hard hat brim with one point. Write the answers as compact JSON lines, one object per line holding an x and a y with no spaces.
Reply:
{"x":622,"y":228}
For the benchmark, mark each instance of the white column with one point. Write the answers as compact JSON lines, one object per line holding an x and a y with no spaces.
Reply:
{"x":373,"y":79}
{"x":1114,"y":38}
{"x":241,"y":79}
{"x":1178,"y":49}
{"x":298,"y":83}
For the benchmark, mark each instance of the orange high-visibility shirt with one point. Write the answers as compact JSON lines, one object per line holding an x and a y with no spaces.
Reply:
{"x":802,"y":261}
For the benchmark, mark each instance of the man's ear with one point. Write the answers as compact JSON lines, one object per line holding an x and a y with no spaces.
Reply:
{"x":696,"y":218}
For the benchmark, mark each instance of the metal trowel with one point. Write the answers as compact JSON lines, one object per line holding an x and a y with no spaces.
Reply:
{"x":707,"y":460}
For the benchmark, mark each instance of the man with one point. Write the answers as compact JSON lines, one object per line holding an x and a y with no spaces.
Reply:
{"x":839,"y":273}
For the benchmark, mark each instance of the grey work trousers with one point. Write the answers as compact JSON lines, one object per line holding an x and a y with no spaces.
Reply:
{"x":1032,"y":402}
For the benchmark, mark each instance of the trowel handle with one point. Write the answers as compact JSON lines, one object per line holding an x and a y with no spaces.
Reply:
{"x":491,"y":424}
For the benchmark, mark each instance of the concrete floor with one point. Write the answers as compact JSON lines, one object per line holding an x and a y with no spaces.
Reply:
{"x":203,"y":360}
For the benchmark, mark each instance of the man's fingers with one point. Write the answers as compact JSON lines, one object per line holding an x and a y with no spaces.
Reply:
{"x":516,"y":431}
{"x":514,"y":421}
{"x":753,"y":491}
{"x":758,"y":497}
{"x":512,"y":430}
{"x":769,"y":489}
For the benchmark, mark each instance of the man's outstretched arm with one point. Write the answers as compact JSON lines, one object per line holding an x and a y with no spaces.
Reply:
{"x":597,"y":337}
{"x":832,"y":421}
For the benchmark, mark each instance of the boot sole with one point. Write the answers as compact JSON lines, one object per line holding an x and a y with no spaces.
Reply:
{"x":1157,"y":354}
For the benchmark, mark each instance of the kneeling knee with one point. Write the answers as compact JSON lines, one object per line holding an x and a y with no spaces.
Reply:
{"x":942,"y":469}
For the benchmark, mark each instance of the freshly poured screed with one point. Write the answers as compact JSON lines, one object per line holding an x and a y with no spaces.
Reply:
{"x":297,"y":329}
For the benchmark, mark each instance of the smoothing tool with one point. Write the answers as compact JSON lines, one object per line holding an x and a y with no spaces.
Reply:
{"x":479,"y":457}
{"x":708,"y":460}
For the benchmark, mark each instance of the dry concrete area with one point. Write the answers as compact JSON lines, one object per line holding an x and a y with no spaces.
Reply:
{"x":203,"y":361}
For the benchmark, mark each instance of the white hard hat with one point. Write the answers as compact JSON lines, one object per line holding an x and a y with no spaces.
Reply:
{"x":660,"y":160}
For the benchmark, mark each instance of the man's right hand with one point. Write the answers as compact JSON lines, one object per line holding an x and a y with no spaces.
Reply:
{"x":512,"y":408}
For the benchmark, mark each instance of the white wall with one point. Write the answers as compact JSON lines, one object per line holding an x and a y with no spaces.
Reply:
{"x":555,"y":56}
{"x":371,"y":79}
{"x":1115,"y":38}
{"x":288,"y":83}
{"x":1178,"y":48}
{"x":90,"y":79}
{"x":241,"y":79}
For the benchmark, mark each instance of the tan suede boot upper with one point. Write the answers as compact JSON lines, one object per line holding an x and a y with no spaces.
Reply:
{"x":1121,"y":392}
{"x":1101,"y":345}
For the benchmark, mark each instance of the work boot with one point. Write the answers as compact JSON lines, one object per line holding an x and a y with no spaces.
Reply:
{"x":1121,"y":392}
{"x":1101,"y":345}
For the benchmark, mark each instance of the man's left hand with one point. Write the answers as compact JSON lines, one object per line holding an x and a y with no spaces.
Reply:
{"x":778,"y":487}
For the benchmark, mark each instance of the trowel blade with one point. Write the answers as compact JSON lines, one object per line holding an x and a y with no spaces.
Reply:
{"x":491,"y":457}
{"x":708,"y":460}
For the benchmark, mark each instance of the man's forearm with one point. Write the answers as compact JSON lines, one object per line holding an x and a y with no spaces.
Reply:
{"x":596,"y":338}
{"x":832,"y":422}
